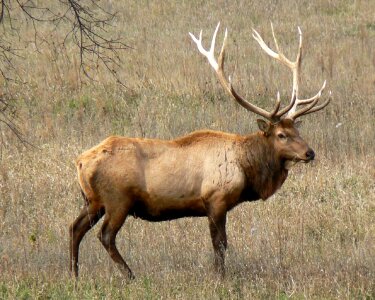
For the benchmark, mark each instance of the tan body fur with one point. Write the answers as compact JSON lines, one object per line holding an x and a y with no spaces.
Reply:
{"x":205,"y":173}
{"x":170,"y":179}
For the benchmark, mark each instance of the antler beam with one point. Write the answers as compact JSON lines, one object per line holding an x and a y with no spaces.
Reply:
{"x":219,"y":69}
{"x":295,"y":67}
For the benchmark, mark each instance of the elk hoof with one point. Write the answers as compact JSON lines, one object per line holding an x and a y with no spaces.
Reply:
{"x":128,"y":275}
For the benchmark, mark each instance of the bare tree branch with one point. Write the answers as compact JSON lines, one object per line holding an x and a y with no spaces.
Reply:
{"x":8,"y":118}
{"x":90,"y":35}
{"x":88,"y":22}
{"x":88,"y":29}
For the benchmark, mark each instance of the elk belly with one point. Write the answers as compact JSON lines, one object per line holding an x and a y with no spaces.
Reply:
{"x":151,"y":208}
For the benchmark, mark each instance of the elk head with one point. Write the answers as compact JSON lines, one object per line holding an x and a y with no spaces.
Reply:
{"x":281,"y":126}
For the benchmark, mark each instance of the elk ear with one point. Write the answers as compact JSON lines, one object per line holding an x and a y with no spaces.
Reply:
{"x":264,"y":125}
{"x":297,"y":124}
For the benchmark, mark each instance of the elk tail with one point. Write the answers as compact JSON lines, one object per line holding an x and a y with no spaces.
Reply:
{"x":84,"y":197}
{"x":86,"y":190}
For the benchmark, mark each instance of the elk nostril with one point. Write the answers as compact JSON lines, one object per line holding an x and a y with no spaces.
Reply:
{"x":310,"y":154}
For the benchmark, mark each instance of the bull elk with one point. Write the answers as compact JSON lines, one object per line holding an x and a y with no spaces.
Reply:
{"x":205,"y":173}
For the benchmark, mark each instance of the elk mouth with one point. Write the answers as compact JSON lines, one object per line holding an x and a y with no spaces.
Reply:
{"x":289,"y":163}
{"x":305,"y":160}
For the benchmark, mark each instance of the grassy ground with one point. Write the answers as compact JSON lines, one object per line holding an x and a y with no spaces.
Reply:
{"x":314,"y":239}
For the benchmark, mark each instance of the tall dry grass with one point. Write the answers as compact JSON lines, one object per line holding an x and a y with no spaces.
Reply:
{"x":314,"y":239}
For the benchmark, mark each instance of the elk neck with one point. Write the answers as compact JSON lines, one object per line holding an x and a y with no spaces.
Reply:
{"x":264,"y":169}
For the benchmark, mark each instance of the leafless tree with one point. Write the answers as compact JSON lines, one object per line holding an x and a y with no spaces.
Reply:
{"x":87,"y":26}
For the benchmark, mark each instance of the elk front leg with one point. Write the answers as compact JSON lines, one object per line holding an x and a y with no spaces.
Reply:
{"x":217,"y":221}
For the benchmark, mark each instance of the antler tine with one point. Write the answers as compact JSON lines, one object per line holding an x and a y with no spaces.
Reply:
{"x":277,"y":106}
{"x":219,"y":69}
{"x":289,"y":106}
{"x":222,"y":57}
{"x":275,"y":40}
{"x":264,"y":46}
{"x":299,"y":54}
{"x":210,"y":55}
{"x":309,"y":100}
{"x":293,"y":66}
{"x":279,"y":55}
{"x":321,"y":106}
{"x":310,"y":108}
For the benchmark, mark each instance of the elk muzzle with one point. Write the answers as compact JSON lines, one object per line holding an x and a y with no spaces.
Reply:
{"x":310,"y":155}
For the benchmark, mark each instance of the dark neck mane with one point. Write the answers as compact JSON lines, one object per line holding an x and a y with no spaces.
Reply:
{"x":264,"y":170}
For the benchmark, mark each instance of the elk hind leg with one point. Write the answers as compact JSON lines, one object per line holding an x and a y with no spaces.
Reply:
{"x":114,"y":219}
{"x":87,"y":218}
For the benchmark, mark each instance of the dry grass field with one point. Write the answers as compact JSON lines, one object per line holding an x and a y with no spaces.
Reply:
{"x":314,"y":239}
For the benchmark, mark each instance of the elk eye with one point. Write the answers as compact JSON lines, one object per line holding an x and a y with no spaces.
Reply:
{"x":281,"y":136}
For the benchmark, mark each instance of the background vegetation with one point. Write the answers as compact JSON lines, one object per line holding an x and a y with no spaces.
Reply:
{"x":314,"y":239}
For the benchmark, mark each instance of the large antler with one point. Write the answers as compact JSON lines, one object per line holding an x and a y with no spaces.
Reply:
{"x":295,"y":67}
{"x":273,"y":116}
